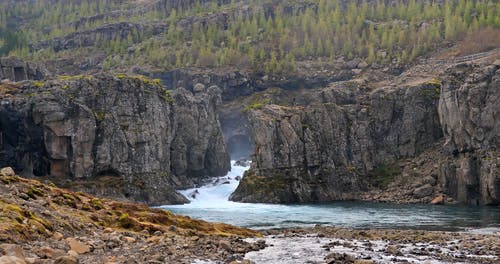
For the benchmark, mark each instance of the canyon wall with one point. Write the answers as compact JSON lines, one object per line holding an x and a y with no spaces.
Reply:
{"x":119,"y":136}
{"x":325,"y":151}
{"x":336,"y":148}
{"x":469,"y":110}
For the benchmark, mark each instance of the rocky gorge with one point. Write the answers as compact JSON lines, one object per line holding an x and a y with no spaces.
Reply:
{"x":350,"y":140}
{"x":432,"y":138}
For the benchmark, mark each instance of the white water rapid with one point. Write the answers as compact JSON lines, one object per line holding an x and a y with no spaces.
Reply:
{"x":216,"y":193}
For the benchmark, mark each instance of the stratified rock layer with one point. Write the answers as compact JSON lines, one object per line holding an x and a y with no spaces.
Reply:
{"x":123,"y":137}
{"x":354,"y":137}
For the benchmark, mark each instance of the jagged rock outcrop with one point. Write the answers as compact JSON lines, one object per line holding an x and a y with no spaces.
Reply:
{"x":118,"y":136}
{"x":235,"y":84}
{"x":469,"y":111}
{"x":97,"y":36}
{"x":15,"y":69}
{"x":325,"y":151}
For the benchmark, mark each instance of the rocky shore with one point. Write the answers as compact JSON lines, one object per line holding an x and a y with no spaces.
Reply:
{"x":40,"y":223}
{"x":337,"y":245}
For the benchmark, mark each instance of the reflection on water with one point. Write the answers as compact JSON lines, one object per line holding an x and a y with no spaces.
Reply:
{"x":211,"y":204}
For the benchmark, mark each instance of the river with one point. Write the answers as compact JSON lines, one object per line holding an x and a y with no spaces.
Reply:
{"x":211,"y":204}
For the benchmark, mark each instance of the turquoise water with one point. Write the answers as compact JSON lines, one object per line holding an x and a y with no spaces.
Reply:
{"x":211,"y":204}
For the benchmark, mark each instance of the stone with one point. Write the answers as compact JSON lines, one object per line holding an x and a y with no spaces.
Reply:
{"x":77,"y":246}
{"x":393,"y":250}
{"x":357,"y":71}
{"x":129,"y":240}
{"x":423,"y":191}
{"x":31,"y":260}
{"x":363,"y":65}
{"x":225,"y":245}
{"x":199,"y":88}
{"x":11,"y":260}
{"x":47,"y":252}
{"x":7,"y":171}
{"x":108,"y":230}
{"x":57,"y":236}
{"x":352,"y":64}
{"x":438,"y":200}
{"x":13,"y":250}
{"x":66,"y":260}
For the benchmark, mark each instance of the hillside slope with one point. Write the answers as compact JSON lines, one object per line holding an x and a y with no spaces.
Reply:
{"x":40,"y":223}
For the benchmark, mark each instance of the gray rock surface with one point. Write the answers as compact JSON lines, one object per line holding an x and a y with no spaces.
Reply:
{"x":469,"y":110}
{"x":353,"y":138}
{"x":15,"y":69}
{"x":125,"y":137}
{"x":327,"y":151}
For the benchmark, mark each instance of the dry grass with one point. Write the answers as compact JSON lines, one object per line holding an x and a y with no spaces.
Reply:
{"x":39,"y":209}
{"x":481,"y":40}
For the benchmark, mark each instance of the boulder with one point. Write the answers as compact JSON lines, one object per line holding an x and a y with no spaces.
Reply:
{"x":438,"y":200}
{"x":66,"y":260}
{"x":7,"y":171}
{"x":77,"y":246}
{"x":11,"y":260}
{"x":13,"y":250}
{"x":423,"y":191}
{"x":353,"y":64}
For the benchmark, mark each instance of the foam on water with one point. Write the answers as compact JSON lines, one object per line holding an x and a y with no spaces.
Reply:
{"x":211,"y":204}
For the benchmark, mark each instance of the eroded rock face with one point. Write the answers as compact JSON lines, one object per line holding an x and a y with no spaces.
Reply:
{"x":326,"y":151}
{"x":15,"y":69}
{"x":115,"y":136}
{"x":333,"y":149}
{"x":469,"y":111}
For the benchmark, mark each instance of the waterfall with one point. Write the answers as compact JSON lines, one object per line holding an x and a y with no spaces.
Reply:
{"x":216,"y":193}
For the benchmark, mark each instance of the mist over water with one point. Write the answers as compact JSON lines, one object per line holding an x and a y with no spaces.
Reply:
{"x":211,"y":203}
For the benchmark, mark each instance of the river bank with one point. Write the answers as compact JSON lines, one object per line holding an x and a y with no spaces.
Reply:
{"x":323,"y":244}
{"x":40,"y":223}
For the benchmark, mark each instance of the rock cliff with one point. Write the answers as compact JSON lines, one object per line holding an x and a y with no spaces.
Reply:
{"x":118,"y":136}
{"x":469,"y":111}
{"x":16,"y":70}
{"x":326,"y":151}
{"x":355,"y":139}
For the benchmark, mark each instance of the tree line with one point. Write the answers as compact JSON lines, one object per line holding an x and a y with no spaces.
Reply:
{"x":323,"y":30}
